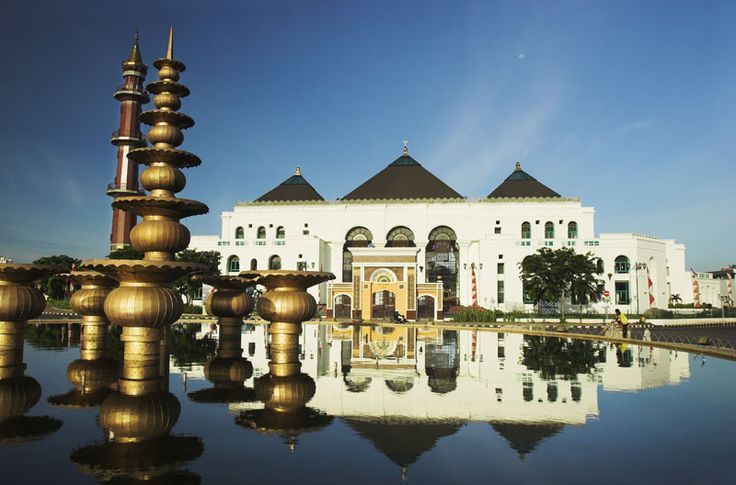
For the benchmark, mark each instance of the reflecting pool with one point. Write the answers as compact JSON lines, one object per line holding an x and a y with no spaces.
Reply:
{"x":369,"y":404}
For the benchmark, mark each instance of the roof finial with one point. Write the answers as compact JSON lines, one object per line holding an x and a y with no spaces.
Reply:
{"x":170,"y":48}
{"x":135,"y":52}
{"x":405,"y":151}
{"x":298,"y":171}
{"x":518,"y":167}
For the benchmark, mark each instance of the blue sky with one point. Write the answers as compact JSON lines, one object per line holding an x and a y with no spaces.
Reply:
{"x":628,"y":105}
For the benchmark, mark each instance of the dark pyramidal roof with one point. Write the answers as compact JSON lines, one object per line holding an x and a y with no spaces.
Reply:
{"x":402,"y":440}
{"x":523,"y":437}
{"x":294,"y":188}
{"x":404,"y":178}
{"x":521,"y":184}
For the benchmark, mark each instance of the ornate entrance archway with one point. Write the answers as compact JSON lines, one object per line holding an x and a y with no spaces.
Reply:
{"x":384,"y":304}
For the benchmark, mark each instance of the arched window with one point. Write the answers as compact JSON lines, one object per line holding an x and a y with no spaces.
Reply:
{"x":526,"y":230}
{"x":280,"y":232}
{"x":261,"y":233}
{"x":621,"y":265}
{"x":253,"y":264}
{"x":233,"y":264}
{"x":572,"y":230}
{"x":274,"y":262}
{"x":442,"y":262}
{"x":400,"y":237}
{"x":357,"y":237}
{"x":239,"y":233}
{"x":549,"y":230}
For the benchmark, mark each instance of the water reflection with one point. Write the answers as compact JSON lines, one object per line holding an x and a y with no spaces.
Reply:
{"x":19,"y":392}
{"x":138,"y":416}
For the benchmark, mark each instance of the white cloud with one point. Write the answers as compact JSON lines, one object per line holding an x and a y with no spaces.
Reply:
{"x":637,"y":125}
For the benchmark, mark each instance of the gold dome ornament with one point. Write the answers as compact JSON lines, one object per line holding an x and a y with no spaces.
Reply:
{"x":145,"y":304}
{"x":94,"y":372}
{"x":19,"y":302}
{"x":285,"y":391}
{"x":228,"y":370}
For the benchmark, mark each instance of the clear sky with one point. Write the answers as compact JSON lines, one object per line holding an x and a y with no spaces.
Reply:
{"x":629,"y":105}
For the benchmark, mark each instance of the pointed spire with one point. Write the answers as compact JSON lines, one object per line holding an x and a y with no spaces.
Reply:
{"x":135,"y":52}
{"x":405,"y":150}
{"x":298,"y":171}
{"x":518,"y":167}
{"x":170,"y":48}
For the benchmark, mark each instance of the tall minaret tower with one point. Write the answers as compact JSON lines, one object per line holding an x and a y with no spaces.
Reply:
{"x":128,"y":135}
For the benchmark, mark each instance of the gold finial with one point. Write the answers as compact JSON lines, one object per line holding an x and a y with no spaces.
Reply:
{"x":170,"y":48}
{"x":135,"y":52}
{"x":405,"y":150}
{"x":518,"y":167}
{"x":298,"y":171}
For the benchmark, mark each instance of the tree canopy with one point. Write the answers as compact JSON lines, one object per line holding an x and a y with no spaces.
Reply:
{"x":552,"y":275}
{"x":211,"y":259}
{"x":55,"y":286}
{"x":125,"y":253}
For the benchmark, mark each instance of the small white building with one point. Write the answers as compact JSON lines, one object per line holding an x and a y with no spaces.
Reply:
{"x":468,"y":249}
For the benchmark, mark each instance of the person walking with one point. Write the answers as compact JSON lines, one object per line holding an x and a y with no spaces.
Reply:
{"x":622,"y":320}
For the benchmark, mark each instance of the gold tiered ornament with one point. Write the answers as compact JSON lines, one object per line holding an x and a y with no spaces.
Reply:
{"x":20,"y":302}
{"x":285,"y":390}
{"x":228,"y":370}
{"x":94,"y":371}
{"x":145,"y":304}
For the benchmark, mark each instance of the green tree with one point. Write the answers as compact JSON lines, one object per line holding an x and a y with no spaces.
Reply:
{"x":211,"y":259}
{"x":125,"y":253}
{"x":56,"y":287}
{"x":553,"y":275}
{"x":554,"y":357}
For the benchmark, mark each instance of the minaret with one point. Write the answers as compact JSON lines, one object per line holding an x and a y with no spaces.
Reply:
{"x":128,"y":136}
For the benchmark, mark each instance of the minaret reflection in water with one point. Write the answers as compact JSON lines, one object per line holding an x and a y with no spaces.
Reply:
{"x":285,"y":390}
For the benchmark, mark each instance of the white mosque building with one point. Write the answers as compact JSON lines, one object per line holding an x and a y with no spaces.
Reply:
{"x":406,"y":241}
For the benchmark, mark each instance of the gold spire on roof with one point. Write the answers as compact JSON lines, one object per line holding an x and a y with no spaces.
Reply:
{"x":170,"y":49}
{"x":518,"y":167}
{"x":135,"y":52}
{"x":298,"y":171}
{"x":405,"y":150}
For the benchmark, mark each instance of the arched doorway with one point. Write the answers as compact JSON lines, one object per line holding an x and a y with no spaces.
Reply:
{"x":425,"y":308}
{"x":384,"y":304}
{"x":357,"y":237}
{"x":342,"y":306}
{"x":443,"y":263}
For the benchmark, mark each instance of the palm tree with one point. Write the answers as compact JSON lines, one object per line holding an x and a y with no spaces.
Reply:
{"x":675,"y":298}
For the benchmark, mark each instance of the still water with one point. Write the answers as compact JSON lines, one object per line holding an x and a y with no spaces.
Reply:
{"x":392,"y":404}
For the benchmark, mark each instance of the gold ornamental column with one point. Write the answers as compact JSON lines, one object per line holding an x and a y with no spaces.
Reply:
{"x":20,"y":302}
{"x":228,"y":370}
{"x":285,"y":390}
{"x":145,"y":303}
{"x":94,"y":372}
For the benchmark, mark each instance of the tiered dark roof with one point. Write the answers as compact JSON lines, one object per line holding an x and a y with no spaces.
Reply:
{"x":294,"y":188}
{"x":524,"y":438}
{"x":404,"y":178}
{"x":521,"y":184}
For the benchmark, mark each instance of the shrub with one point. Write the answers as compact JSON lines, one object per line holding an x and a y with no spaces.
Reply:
{"x":658,"y":313}
{"x":472,"y":314}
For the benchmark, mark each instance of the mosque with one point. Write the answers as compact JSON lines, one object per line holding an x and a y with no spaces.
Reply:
{"x":406,"y":241}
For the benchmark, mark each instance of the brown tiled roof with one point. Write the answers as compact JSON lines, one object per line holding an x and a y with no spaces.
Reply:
{"x":521,"y":184}
{"x":295,"y":187}
{"x":404,"y":178}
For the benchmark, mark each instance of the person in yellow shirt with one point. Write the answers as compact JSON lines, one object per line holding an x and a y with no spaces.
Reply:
{"x":622,"y":320}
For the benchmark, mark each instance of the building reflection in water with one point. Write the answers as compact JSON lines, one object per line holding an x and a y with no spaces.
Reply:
{"x":94,"y":371}
{"x":285,"y":390}
{"x":405,"y":388}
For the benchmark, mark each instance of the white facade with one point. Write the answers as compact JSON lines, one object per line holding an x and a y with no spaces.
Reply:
{"x":489,"y":234}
